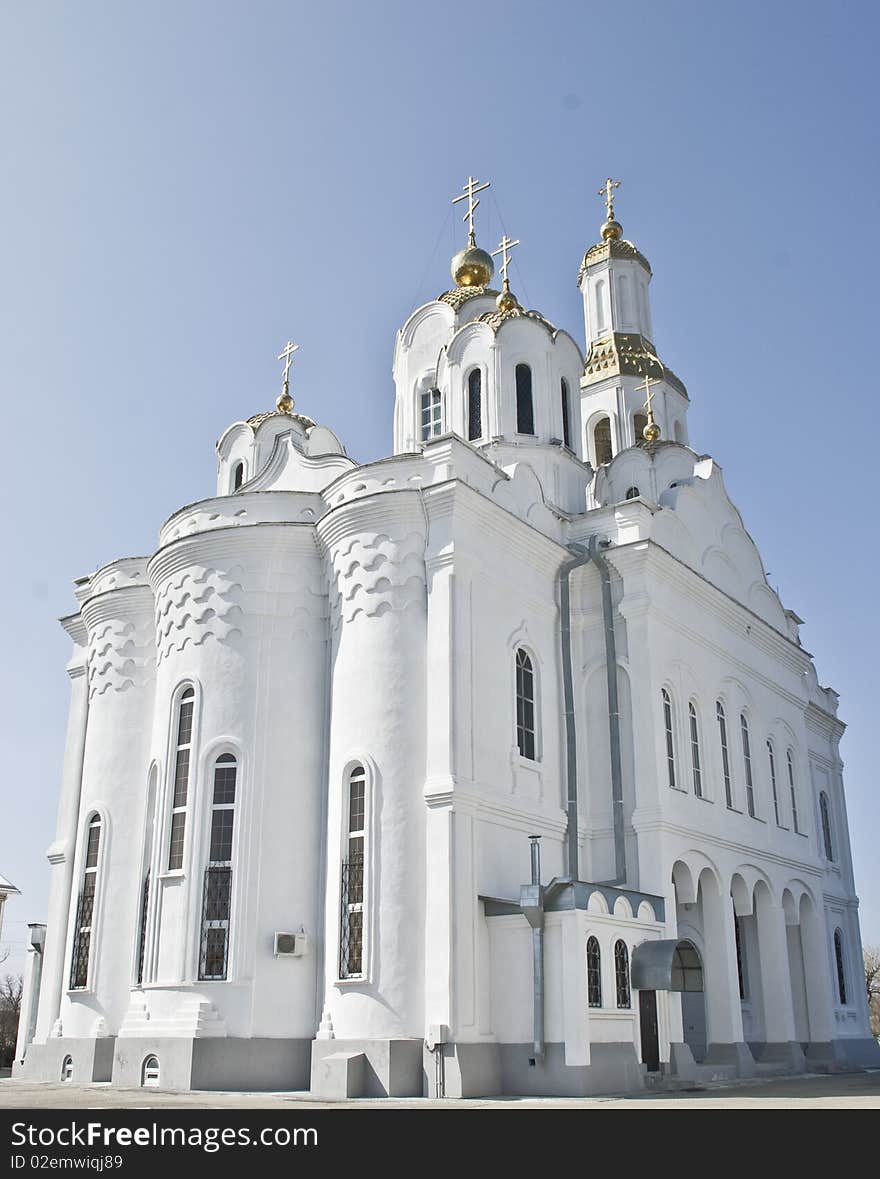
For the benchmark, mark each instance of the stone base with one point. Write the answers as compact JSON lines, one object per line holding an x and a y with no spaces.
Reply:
{"x":390,"y":1068}
{"x":859,"y":1053}
{"x":214,"y":1063}
{"x":681,"y":1062}
{"x":787,"y":1054}
{"x":92,"y":1060}
{"x":613,"y":1068}
{"x":737,"y":1055}
{"x":463,"y":1070}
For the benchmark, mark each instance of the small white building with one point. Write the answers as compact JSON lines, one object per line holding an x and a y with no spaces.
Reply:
{"x":314,"y":738}
{"x":7,"y":889}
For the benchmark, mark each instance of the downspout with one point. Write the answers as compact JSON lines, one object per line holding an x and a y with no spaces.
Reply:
{"x":531,"y":901}
{"x":584,"y":556}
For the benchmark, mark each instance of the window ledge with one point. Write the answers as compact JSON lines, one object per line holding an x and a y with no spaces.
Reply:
{"x":172,"y":874}
{"x":734,"y":810}
{"x":355,"y":980}
{"x":703,"y":798}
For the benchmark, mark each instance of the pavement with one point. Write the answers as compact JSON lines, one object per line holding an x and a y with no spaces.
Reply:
{"x":812,"y":1091}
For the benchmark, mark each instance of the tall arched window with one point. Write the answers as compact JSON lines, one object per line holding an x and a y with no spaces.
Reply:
{"x":431,"y":414}
{"x":217,"y":901}
{"x":85,"y":909}
{"x":183,"y":749}
{"x":594,"y":973}
{"x":475,"y":405}
{"x":351,"y":942}
{"x":670,"y":736}
{"x":695,"y":750}
{"x":725,"y":756}
{"x":789,"y":758}
{"x":621,"y":973}
{"x":566,"y":413}
{"x":525,"y":705}
{"x":639,"y":422}
{"x":825,"y":815}
{"x":237,"y":476}
{"x":142,"y":929}
{"x":602,"y":441}
{"x":771,"y":758}
{"x":841,"y":967}
{"x":747,"y":763}
{"x":525,"y":410}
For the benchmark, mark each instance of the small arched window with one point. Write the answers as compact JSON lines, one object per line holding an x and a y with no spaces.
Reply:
{"x":217,"y":901}
{"x":725,"y":756}
{"x":825,"y":815}
{"x":85,"y":909}
{"x":183,"y":750}
{"x":594,"y":973}
{"x":670,"y":736}
{"x":525,"y":410}
{"x":431,"y":414}
{"x":566,"y":413}
{"x":771,"y":759}
{"x":747,"y":763}
{"x":525,"y":705}
{"x":621,"y":974}
{"x":351,"y":944}
{"x":632,"y":493}
{"x":841,"y":966}
{"x":150,"y":1072}
{"x":789,"y":758}
{"x":67,"y":1068}
{"x":695,"y":751}
{"x":639,"y":423}
{"x":475,"y":405}
{"x":602,"y":441}
{"x":237,"y":476}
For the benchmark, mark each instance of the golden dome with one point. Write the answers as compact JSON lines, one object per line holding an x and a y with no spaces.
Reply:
{"x":284,"y":404}
{"x":507,"y":300}
{"x":472,"y":267}
{"x":651,"y":431}
{"x":611,"y":231}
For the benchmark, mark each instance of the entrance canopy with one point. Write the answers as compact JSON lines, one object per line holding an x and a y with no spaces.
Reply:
{"x":667,"y":966}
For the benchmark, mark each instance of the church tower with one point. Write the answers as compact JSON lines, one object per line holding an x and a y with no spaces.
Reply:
{"x":614,"y":279}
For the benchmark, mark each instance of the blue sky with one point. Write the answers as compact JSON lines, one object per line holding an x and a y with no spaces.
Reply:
{"x":186,"y":185}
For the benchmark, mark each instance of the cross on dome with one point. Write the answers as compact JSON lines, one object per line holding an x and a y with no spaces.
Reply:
{"x":471,"y":187}
{"x":285,"y":401}
{"x":504,"y":249}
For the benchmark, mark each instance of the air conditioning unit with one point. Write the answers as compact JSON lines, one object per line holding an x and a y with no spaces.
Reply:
{"x":291,"y":945}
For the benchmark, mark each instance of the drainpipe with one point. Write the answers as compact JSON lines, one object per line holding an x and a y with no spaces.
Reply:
{"x":584,"y":556}
{"x":531,"y":901}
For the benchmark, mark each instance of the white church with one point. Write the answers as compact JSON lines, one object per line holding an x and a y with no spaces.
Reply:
{"x":492,"y":767}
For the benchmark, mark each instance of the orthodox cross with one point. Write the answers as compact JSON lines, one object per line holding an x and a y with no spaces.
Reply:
{"x":471,"y":188}
{"x":607,"y":191}
{"x":286,"y":354}
{"x":652,"y":430}
{"x":504,"y":250}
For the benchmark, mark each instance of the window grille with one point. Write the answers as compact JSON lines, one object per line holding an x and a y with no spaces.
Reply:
{"x":475,"y":405}
{"x":594,"y":973}
{"x":566,"y":418}
{"x":725,"y":756}
{"x":85,"y":909}
{"x":142,"y":939}
{"x":181,"y":779}
{"x":602,"y":441}
{"x":825,"y":815}
{"x":351,"y":940}
{"x":525,"y":705}
{"x":841,"y":972}
{"x":217,"y":903}
{"x":670,"y":737}
{"x":747,"y":764}
{"x":740,"y":971}
{"x":792,"y":790}
{"x":432,"y":414}
{"x":695,"y":751}
{"x":621,"y":974}
{"x":771,"y":757}
{"x":525,"y":411}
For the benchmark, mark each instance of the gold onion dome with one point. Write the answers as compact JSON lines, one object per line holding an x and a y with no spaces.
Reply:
{"x":472,"y":267}
{"x":651,"y":431}
{"x":284,"y":404}
{"x":612,"y":231}
{"x":507,"y":300}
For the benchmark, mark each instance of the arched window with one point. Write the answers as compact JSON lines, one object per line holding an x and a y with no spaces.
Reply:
{"x":432,"y":414}
{"x":695,"y":751}
{"x":747,"y":764}
{"x":632,"y":493}
{"x":525,"y":705}
{"x":600,"y":305}
{"x":85,"y":909}
{"x":142,"y":934}
{"x":594,"y":973}
{"x":237,"y":476}
{"x":789,"y":758}
{"x":841,"y":967}
{"x":621,"y":973}
{"x":67,"y":1069}
{"x":640,"y":420}
{"x":525,"y":410}
{"x":602,"y":441}
{"x":740,"y":964}
{"x":771,"y":758}
{"x":725,"y":756}
{"x":351,"y":943}
{"x":475,"y":405}
{"x":566,"y":413}
{"x":825,"y":815}
{"x":670,"y":736}
{"x":183,"y":750}
{"x":217,"y":899}
{"x":150,"y":1072}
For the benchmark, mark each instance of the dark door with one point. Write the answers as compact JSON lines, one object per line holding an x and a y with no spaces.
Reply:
{"x":650,"y":1035}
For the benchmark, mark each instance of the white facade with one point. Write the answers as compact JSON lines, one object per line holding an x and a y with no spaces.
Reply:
{"x":337,"y":700}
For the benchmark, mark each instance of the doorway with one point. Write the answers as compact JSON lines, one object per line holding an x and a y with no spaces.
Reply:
{"x":649,"y":1030}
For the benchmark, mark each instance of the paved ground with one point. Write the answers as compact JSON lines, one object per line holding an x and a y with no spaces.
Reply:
{"x":848,"y":1091}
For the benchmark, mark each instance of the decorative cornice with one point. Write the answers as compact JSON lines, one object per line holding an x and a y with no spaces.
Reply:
{"x":258,"y":418}
{"x":625,"y":354}
{"x":605,"y":251}
{"x":457,"y":297}
{"x":496,"y":319}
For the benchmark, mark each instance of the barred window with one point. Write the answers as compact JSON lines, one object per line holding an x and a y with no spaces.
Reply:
{"x":670,"y":737}
{"x":525,"y":705}
{"x":85,"y":909}
{"x":695,"y":751}
{"x":525,"y":410}
{"x":142,"y":936}
{"x":237,"y":476}
{"x":632,"y":493}
{"x":771,"y":758}
{"x":566,"y":413}
{"x":351,"y":949}
{"x":217,"y":900}
{"x":602,"y":441}
{"x":725,"y":756}
{"x":789,"y":758}
{"x":740,"y":958}
{"x":621,"y":974}
{"x":432,"y":414}
{"x":594,"y":972}
{"x":183,"y":750}
{"x":825,"y":815}
{"x":747,"y":764}
{"x":475,"y":405}
{"x":841,"y":968}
